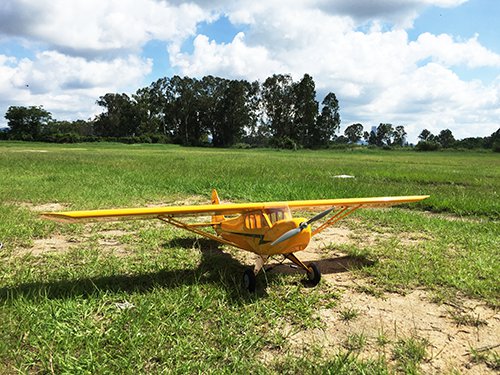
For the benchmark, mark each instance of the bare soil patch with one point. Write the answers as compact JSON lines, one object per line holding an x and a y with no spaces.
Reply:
{"x":383,"y":320}
{"x":54,"y":244}
{"x":46,"y":207}
{"x":109,"y":240}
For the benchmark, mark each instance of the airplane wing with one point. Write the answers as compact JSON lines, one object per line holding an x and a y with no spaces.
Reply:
{"x":223,"y":209}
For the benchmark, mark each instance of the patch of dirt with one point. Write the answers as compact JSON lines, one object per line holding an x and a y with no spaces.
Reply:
{"x":395,"y":317}
{"x":383,"y":320}
{"x":109,"y":240}
{"x":46,"y":207}
{"x":54,"y":244}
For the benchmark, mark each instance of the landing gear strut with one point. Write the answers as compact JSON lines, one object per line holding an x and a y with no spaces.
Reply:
{"x":250,"y":279}
{"x":313,"y":272}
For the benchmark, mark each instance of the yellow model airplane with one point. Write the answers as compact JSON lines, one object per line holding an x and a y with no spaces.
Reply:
{"x":265,"y":229}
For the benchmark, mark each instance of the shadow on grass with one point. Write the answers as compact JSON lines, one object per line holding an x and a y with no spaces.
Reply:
{"x":215,"y":267}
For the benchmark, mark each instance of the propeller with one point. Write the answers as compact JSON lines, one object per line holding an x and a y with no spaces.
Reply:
{"x":292,"y":232}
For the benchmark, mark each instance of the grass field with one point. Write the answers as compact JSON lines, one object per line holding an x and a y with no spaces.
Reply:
{"x":133,"y":297}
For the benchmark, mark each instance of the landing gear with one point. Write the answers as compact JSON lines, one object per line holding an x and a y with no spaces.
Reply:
{"x":313,"y":274}
{"x":249,"y":280}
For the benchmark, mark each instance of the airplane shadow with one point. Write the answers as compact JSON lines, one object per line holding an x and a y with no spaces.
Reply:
{"x":327,"y":266}
{"x":215,"y":267}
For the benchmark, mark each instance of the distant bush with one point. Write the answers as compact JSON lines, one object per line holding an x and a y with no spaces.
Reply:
{"x":241,"y":145}
{"x":427,"y":146}
{"x":160,"y":138}
{"x":343,"y":146}
{"x":496,"y":146}
{"x":285,"y":143}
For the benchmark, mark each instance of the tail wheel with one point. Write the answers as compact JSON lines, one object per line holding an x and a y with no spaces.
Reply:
{"x":249,"y":280}
{"x":313,"y":275}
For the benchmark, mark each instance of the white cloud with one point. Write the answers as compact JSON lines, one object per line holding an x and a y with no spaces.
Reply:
{"x":378,"y":75}
{"x":447,"y":51}
{"x":93,"y":26}
{"x":65,"y":84}
{"x":235,"y":59}
{"x":84,"y":48}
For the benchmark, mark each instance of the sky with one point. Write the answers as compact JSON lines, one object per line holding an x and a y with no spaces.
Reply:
{"x":423,"y":64}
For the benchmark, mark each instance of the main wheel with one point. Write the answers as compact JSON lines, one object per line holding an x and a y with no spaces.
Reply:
{"x":314,"y":275}
{"x":249,"y":280}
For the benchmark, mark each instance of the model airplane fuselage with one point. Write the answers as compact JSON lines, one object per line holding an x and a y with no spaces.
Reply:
{"x":265,"y":229}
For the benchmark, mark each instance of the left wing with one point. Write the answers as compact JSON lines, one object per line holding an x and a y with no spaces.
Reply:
{"x":223,"y":209}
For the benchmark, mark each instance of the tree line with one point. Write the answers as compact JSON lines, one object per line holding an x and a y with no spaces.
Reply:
{"x":221,"y":112}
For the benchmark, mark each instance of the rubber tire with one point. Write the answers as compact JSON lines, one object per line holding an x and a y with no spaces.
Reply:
{"x":249,"y":280}
{"x":315,"y":276}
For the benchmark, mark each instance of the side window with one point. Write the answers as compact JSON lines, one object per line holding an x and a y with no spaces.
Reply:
{"x":250,"y":221}
{"x":253,"y":221}
{"x":275,"y":216}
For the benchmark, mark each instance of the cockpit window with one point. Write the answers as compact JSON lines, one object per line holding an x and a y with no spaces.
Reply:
{"x":253,"y":221}
{"x":267,"y":218}
{"x":277,"y":215}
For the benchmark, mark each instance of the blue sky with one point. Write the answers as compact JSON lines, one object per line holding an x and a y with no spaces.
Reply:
{"x":431,"y":64}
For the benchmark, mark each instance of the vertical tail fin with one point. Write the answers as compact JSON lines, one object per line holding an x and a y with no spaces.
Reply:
{"x":216,"y":200}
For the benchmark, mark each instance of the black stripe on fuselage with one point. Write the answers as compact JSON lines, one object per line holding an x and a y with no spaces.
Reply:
{"x":259,"y":236}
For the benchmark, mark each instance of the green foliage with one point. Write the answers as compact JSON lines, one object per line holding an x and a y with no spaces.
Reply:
{"x":27,"y":123}
{"x":427,"y":146}
{"x":409,"y":353}
{"x":496,"y":146}
{"x":120,"y":119}
{"x":399,"y":136}
{"x":214,"y":111}
{"x":348,"y":314}
{"x":305,"y":112}
{"x":354,"y":132}
{"x":446,"y":138}
{"x":278,"y":98}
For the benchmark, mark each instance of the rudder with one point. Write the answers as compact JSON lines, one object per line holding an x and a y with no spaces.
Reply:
{"x":215,"y":200}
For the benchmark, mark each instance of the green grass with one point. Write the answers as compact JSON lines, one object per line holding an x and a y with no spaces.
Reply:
{"x":60,"y":311}
{"x":409,"y":353}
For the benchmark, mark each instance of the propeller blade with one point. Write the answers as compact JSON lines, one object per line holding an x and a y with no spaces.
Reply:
{"x":287,"y":235}
{"x":319,"y":216}
{"x":292,"y":232}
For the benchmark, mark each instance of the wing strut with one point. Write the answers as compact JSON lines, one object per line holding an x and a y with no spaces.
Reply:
{"x":339,"y":215}
{"x":192,"y":228}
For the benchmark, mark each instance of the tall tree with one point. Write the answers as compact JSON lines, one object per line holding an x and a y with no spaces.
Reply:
{"x":399,"y":136}
{"x":446,"y":138}
{"x":426,"y":136}
{"x":149,"y":111}
{"x":27,"y":122}
{"x":225,"y":109}
{"x":187,"y":126}
{"x":354,"y":132}
{"x":384,"y":134}
{"x":305,"y":111}
{"x":120,"y":119}
{"x":328,"y":121}
{"x":278,"y":97}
